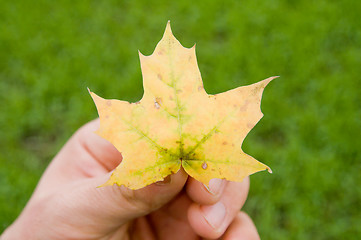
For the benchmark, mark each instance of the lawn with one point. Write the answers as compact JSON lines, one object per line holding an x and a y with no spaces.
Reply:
{"x":51,"y":51}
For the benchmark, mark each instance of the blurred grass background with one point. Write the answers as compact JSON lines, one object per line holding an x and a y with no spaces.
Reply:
{"x":51,"y":51}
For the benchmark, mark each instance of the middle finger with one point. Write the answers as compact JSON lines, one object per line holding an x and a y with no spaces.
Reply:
{"x":211,"y":221}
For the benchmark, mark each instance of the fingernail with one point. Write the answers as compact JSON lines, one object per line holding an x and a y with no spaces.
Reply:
{"x":215,"y":186}
{"x":165,"y":181}
{"x":214,"y":214}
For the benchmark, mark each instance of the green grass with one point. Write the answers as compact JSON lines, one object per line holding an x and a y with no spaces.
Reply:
{"x":51,"y":51}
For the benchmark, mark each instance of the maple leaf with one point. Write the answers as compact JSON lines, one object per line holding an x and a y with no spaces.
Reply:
{"x":177,"y":124}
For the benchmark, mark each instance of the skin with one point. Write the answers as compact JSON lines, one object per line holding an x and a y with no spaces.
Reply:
{"x":67,"y":204}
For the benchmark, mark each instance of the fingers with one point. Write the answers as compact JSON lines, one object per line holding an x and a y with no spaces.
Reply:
{"x":242,"y":227}
{"x":174,"y":216}
{"x":129,"y":204}
{"x":211,"y":221}
{"x":204,"y":195}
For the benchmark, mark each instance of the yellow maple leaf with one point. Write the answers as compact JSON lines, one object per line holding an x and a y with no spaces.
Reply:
{"x":177,"y":123}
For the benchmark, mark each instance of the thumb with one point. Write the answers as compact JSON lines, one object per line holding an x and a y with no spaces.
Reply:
{"x":119,"y":205}
{"x":107,"y":205}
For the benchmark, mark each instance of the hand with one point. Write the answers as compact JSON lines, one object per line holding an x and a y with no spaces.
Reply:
{"x":68,"y":205}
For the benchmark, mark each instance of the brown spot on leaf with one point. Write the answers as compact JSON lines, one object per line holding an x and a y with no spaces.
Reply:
{"x":244,"y":107}
{"x":159,"y":76}
{"x":157,"y":102}
{"x":224,"y":143}
{"x":250,"y":125}
{"x":109,"y":103}
{"x":179,"y":91}
{"x":213,"y":96}
{"x":200,"y":88}
{"x":204,"y":165}
{"x":257,"y":90}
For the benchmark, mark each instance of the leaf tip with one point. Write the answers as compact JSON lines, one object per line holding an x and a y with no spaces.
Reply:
{"x":103,"y":185}
{"x":168,"y":30}
{"x":93,"y":96}
{"x":268,"y":80}
{"x":107,"y":183}
{"x":168,"y":25}
{"x":90,"y":92}
{"x":274,"y":77}
{"x":269,"y":170}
